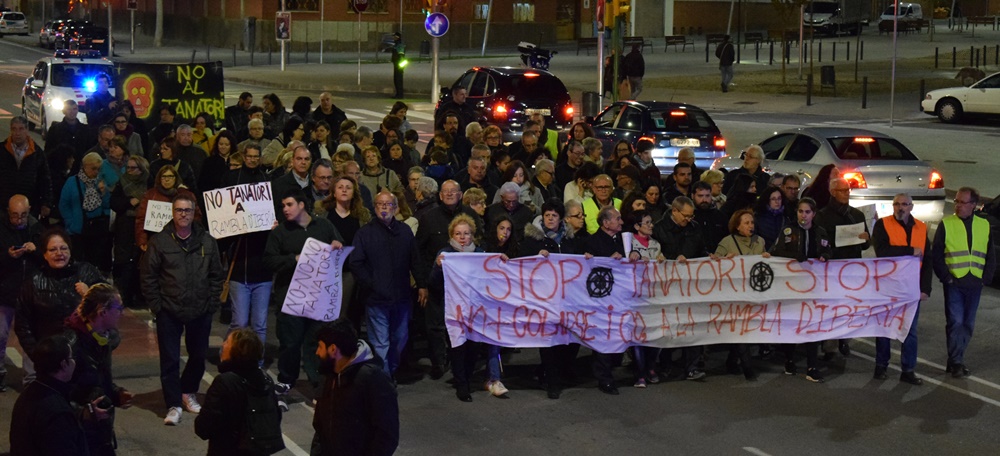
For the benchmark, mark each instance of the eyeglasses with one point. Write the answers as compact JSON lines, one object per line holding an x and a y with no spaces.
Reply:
{"x":792,"y":189}
{"x":908,"y":204}
{"x":602,"y":187}
{"x":688,"y":217}
{"x":451,"y":192}
{"x":184,"y":210}
{"x":325,"y":178}
{"x":385,"y":205}
{"x":251,"y":157}
{"x":168,"y":176}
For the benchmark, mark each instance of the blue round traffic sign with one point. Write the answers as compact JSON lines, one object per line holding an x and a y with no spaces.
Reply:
{"x":436,"y":24}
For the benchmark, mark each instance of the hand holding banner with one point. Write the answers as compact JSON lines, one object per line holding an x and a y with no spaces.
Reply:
{"x":316,"y":291}
{"x":239,"y":209}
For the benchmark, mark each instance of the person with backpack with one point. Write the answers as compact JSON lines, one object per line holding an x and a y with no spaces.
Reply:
{"x":240,"y":415}
{"x":727,"y":55}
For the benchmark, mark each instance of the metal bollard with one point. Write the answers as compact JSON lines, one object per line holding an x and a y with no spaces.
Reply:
{"x":809,"y":89}
{"x":268,"y":54}
{"x":864,"y":92}
{"x":770,"y":60}
{"x":848,"y":51}
{"x":834,"y":51}
{"x":234,"y":55}
{"x":756,"y":51}
{"x":208,"y":52}
{"x":977,"y":59}
{"x":935,"y":58}
{"x":861,"y":48}
{"x":820,"y":51}
{"x":971,"y":50}
{"x":706,"y":51}
{"x":194,"y":52}
{"x":923,"y":91}
{"x":954,"y":57}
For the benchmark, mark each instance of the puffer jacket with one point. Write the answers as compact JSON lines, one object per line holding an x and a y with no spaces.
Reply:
{"x":48,"y":298}
{"x":536,"y":240}
{"x":186,"y":282}
{"x":223,"y":414}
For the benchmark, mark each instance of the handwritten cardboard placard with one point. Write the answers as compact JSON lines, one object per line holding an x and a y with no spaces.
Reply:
{"x":158,"y":215}
{"x":609,"y":305}
{"x":316,"y":290}
{"x":239,"y":209}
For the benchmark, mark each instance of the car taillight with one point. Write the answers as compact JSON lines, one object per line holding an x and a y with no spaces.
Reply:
{"x":720,"y":142}
{"x":499,"y":112}
{"x":855,"y":179}
{"x":936,"y":180}
{"x":568,"y":112}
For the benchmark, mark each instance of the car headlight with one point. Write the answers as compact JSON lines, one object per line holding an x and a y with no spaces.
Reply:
{"x":928,"y":97}
{"x":56,"y":102}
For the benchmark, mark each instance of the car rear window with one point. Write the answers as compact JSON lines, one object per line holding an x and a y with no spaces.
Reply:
{"x":76,"y":74}
{"x":13,"y":16}
{"x":682,"y":120}
{"x":868,"y":148}
{"x":537,"y":85}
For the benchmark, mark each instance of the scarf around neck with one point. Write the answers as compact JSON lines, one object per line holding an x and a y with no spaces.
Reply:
{"x":91,"y":193}
{"x":458,"y":248}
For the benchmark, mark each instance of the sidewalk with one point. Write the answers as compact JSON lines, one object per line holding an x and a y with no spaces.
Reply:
{"x":340,"y":71}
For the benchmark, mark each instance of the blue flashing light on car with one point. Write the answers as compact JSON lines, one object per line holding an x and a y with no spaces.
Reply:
{"x":90,"y":84}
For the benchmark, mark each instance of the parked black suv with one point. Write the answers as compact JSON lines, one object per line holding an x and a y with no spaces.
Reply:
{"x":506,"y":97}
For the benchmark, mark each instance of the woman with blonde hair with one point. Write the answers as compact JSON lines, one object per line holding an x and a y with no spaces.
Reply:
{"x":476,"y":199}
{"x":374,"y":176}
{"x":715,"y":178}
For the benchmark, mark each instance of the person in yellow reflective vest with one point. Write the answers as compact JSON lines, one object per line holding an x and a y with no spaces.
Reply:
{"x":964,"y":260}
{"x":899,"y":235}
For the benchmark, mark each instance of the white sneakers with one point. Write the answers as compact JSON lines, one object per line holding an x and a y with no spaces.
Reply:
{"x":190,"y":402}
{"x":173,"y":416}
{"x":496,"y":388}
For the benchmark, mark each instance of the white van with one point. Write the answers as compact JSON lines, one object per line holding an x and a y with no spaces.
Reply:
{"x":908,"y":12}
{"x":68,"y":75}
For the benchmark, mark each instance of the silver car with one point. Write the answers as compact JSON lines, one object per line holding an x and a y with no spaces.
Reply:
{"x":876,"y":165}
{"x":13,"y":23}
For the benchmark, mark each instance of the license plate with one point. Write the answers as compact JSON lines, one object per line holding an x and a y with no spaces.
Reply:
{"x":97,"y":41}
{"x":544,"y":112}
{"x":685,"y":142}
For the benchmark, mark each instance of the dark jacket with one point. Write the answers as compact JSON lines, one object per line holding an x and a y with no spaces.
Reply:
{"x":801,"y":244}
{"x":537,"y":239}
{"x":213,"y":173}
{"x":759,"y":176}
{"x":880,"y":239}
{"x":600,"y":244}
{"x":223,"y":413}
{"x":194,"y":156}
{"x":466,"y":114}
{"x":726,"y":53}
{"x":382,"y":261}
{"x":286,"y":241}
{"x":769,"y":225}
{"x":432,"y":232}
{"x":357,"y":412}
{"x":14,"y":271}
{"x":334,"y":118}
{"x":185,"y":281}
{"x":76,"y":135}
{"x":97,"y":110}
{"x":44,"y":424}
{"x":836,"y":214}
{"x":634,"y":66}
{"x":237,"y":120}
{"x":247,"y":249}
{"x":92,"y":379}
{"x":715,"y":226}
{"x":521,"y":217}
{"x":676,"y":240}
{"x":31,"y":179}
{"x":48,"y":298}
{"x":281,"y":185}
{"x":188,"y":177}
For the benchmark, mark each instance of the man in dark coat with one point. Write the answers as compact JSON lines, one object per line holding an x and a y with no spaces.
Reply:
{"x":102,"y":105}
{"x":457,"y":104}
{"x":606,"y":242}
{"x":727,"y":56}
{"x":634,"y":69}
{"x":19,"y":259}
{"x":181,"y":278}
{"x":357,"y":411}
{"x":43,"y":421}
{"x":238,"y":115}
{"x":24,"y":169}
{"x":330,"y":113}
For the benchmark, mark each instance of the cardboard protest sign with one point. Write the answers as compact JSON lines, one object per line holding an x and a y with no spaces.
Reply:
{"x":316,"y":291}
{"x":158,"y":215}
{"x":239,"y":209}
{"x":609,"y":305}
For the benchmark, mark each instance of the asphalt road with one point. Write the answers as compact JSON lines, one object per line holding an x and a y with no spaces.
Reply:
{"x":778,"y":415}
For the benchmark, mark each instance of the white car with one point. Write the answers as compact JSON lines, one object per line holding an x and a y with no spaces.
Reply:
{"x":951,"y":104}
{"x":877,"y":166}
{"x":13,"y":23}
{"x":67,"y":76}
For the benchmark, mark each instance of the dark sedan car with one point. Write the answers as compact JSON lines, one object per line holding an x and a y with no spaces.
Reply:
{"x":506,"y":97}
{"x":671,"y":127}
{"x":90,"y":38}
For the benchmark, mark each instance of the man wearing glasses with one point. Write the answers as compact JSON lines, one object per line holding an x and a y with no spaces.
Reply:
{"x":544,"y":180}
{"x":898,"y":235}
{"x":181,"y":279}
{"x":19,"y":259}
{"x":603,"y":187}
{"x":963,"y":260}
{"x":839,"y":213}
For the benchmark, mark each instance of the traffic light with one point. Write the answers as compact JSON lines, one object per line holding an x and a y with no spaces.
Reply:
{"x":609,"y":13}
{"x":622,"y":7}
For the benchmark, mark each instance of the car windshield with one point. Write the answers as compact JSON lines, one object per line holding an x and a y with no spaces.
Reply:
{"x":93,"y":32}
{"x":536,"y":85}
{"x":823,"y":7}
{"x":13,"y":17}
{"x":682,"y":120}
{"x":76,"y":75}
{"x":868,"y":148}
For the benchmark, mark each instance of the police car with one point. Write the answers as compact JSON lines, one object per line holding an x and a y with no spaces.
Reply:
{"x":68,"y":75}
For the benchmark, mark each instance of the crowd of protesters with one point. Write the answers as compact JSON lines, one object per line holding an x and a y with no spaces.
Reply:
{"x":77,"y":219}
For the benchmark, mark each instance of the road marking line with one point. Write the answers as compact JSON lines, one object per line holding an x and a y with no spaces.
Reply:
{"x":935,"y":365}
{"x":4,"y":112}
{"x":942,"y":384}
{"x":419,"y":115}
{"x":365,"y":112}
{"x":755,"y":451}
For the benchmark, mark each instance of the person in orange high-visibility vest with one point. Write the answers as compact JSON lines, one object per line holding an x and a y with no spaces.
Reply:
{"x":963,"y":260}
{"x":898,"y":235}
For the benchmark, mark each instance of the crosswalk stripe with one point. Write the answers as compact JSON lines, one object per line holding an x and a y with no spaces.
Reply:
{"x":365,"y":112}
{"x":419,"y":115}
{"x":4,"y":112}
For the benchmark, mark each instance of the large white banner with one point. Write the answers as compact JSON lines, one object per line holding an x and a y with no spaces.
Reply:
{"x":316,"y":290}
{"x":609,"y":305}
{"x":239,"y":209}
{"x":158,"y":215}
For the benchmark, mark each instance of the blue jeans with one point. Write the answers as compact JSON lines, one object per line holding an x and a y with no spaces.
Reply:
{"x":250,"y":301}
{"x":960,"y":305}
{"x":168,"y":335}
{"x":6,"y":318}
{"x":493,"y":362}
{"x":388,"y":330}
{"x":908,"y":357}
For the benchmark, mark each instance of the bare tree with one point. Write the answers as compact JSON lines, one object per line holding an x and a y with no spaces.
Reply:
{"x":158,"y":34}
